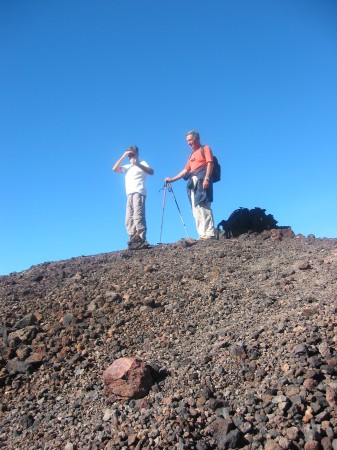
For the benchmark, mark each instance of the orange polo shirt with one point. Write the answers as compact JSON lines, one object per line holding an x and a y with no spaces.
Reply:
{"x":196,"y":160}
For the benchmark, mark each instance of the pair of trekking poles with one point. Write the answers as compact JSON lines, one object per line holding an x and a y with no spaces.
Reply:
{"x":168,"y":186}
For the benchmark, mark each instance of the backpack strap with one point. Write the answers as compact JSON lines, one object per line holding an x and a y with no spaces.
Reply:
{"x":202,"y":152}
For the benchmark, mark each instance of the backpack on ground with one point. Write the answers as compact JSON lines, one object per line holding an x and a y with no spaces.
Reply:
{"x":216,"y":174}
{"x":243,"y":220}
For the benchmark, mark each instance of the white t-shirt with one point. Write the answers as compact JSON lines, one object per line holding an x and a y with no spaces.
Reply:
{"x":135,"y":178}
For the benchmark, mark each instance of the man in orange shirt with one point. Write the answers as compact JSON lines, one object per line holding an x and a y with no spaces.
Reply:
{"x":198,"y":171}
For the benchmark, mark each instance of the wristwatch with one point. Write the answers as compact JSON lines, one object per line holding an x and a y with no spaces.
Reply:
{"x":207,"y":178}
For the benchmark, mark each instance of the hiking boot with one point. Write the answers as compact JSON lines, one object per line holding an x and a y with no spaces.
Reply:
{"x":144,"y":244}
{"x":138,"y":245}
{"x":133,"y":239}
{"x":133,"y":245}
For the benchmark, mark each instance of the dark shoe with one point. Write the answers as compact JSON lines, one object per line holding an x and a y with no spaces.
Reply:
{"x":142,"y":244}
{"x":139,"y":245}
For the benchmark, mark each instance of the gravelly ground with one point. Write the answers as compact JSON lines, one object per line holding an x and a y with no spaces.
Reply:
{"x":243,"y":332}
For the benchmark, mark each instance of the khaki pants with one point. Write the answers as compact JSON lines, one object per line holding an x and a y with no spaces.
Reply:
{"x":203,"y":217}
{"x":135,"y":215}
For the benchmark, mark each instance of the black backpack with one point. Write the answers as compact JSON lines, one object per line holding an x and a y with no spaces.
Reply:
{"x":243,"y":220}
{"x":216,"y":174}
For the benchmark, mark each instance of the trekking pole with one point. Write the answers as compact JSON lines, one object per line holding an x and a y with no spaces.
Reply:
{"x":181,"y":217}
{"x":163,"y":210}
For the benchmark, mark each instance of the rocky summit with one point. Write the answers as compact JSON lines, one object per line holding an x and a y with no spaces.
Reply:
{"x":239,"y":336}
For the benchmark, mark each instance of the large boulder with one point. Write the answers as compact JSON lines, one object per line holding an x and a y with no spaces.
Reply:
{"x":128,"y":377}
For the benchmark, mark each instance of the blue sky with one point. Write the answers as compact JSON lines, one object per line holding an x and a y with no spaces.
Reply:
{"x":81,"y":80}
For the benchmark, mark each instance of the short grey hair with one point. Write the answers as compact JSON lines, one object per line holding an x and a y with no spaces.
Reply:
{"x":194,"y":133}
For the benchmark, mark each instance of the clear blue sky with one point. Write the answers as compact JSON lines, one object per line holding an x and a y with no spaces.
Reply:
{"x":81,"y":80}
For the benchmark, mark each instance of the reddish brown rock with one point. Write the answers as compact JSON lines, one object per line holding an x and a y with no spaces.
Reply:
{"x":128,"y":377}
{"x":22,"y":336}
{"x":271,"y":445}
{"x":282,"y":233}
{"x":309,"y":383}
{"x":308,"y":415}
{"x":331,"y":397}
{"x":332,"y":362}
{"x":312,"y":445}
{"x":35,"y":358}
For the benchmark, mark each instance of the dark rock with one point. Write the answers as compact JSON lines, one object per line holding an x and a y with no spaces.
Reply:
{"x":15,"y":366}
{"x":28,"y":320}
{"x":26,"y":421}
{"x":22,"y":336}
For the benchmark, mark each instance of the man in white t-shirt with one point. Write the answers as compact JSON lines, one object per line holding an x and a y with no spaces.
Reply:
{"x":135,"y":176}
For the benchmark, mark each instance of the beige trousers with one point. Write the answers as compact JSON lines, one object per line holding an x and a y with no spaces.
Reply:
{"x":135,"y":215}
{"x":203,"y":216}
